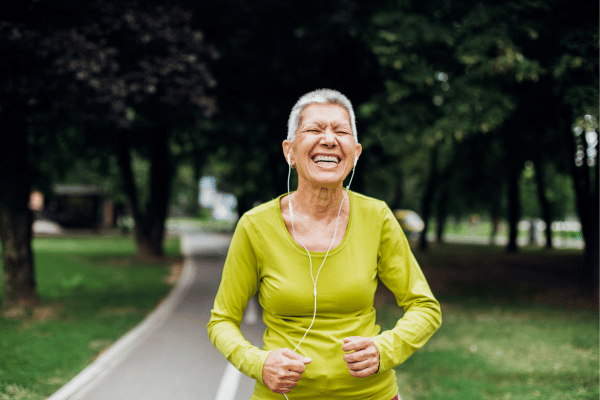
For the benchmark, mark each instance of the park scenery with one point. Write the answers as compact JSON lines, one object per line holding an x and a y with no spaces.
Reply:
{"x":126,"y":126}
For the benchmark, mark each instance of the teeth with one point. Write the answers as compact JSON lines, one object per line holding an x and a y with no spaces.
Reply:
{"x":323,"y":158}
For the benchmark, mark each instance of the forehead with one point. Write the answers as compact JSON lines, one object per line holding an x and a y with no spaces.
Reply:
{"x":324,"y":113}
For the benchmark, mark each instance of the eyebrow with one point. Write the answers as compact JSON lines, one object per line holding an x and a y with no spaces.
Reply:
{"x":341,"y":125}
{"x":322,"y":125}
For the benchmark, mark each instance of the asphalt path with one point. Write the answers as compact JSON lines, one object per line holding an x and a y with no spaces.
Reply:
{"x":169,"y":355}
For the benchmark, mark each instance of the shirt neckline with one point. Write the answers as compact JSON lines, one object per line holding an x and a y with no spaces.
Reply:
{"x":316,"y":253}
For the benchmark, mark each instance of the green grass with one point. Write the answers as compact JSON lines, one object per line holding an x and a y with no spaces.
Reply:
{"x":92,"y":290}
{"x":483,"y":229}
{"x":509,"y":352}
{"x":514,"y":327}
{"x":201,"y":224}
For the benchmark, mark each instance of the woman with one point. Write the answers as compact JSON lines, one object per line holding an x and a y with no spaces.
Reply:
{"x":315,"y":257}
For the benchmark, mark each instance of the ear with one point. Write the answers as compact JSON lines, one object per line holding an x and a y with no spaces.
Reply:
{"x":358,"y":150}
{"x":287,"y":151}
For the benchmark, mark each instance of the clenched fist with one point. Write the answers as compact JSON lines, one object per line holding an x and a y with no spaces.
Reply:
{"x":283,"y":369}
{"x":363,"y":357}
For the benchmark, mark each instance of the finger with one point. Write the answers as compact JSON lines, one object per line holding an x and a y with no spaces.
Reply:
{"x":351,"y":338}
{"x":363,"y":373}
{"x":352,"y":357}
{"x":295,"y":367}
{"x":295,"y":356}
{"x":361,"y":355}
{"x":360,"y":365}
{"x":287,"y":383}
{"x":294,"y":361}
{"x":286,"y":386}
{"x":355,"y":343}
{"x":290,"y":375}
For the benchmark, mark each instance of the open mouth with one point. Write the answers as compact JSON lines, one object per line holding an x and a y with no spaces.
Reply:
{"x":326,"y":160}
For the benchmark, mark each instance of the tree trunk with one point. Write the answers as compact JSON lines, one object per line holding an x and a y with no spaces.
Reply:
{"x":592,"y":225}
{"x":442,"y":214}
{"x":495,"y":215}
{"x":592,"y":262}
{"x":15,"y":217}
{"x":592,"y":241}
{"x":161,"y":174}
{"x":586,"y":195}
{"x":428,"y":196}
{"x":17,"y":258}
{"x":150,"y":223}
{"x":544,"y":203}
{"x":514,"y":211}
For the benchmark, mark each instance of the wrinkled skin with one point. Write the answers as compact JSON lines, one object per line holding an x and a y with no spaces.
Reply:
{"x":283,"y":369}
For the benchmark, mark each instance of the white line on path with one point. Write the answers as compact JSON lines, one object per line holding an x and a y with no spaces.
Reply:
{"x":231,"y":377}
{"x":229,"y":383}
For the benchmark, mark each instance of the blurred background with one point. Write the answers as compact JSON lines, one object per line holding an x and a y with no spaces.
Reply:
{"x":477,"y":117}
{"x":478,"y":120}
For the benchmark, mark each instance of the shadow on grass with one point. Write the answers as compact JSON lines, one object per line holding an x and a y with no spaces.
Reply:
{"x":488,"y":273}
{"x":515,"y":326}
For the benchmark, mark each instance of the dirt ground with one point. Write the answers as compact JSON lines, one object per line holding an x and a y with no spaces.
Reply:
{"x":457,"y":272}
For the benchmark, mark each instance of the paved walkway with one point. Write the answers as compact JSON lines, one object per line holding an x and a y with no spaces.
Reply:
{"x":169,"y":355}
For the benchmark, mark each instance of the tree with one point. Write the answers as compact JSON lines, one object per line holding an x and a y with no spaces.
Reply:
{"x":15,"y":217}
{"x":266,"y":63}
{"x":26,"y":86}
{"x":510,"y":72}
{"x":437,"y":97}
{"x":71,"y":85}
{"x":576,"y":91}
{"x":147,"y":69}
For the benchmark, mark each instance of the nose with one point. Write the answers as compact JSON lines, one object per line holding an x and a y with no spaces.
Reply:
{"x":328,"y":138}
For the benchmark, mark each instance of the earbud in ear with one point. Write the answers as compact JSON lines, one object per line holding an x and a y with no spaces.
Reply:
{"x":355,"y":161}
{"x":289,"y":161}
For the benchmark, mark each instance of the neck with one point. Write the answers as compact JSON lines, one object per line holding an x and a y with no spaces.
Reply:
{"x":318,"y":202}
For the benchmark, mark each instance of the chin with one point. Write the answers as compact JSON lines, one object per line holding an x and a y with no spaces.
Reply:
{"x":328,"y":183}
{"x":325,"y":177}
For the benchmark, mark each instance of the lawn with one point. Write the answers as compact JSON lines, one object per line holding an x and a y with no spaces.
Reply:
{"x":514,"y":327}
{"x":92,"y":290}
{"x":483,"y":229}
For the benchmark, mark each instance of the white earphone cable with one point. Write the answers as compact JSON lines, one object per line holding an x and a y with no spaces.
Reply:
{"x":314,"y":279}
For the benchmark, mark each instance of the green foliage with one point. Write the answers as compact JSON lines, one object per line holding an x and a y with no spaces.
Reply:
{"x":169,"y":77}
{"x":266,"y":63}
{"x":483,"y":86}
{"x":92,"y":291}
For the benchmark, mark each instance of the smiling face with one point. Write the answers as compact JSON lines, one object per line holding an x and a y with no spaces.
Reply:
{"x":324,"y":148}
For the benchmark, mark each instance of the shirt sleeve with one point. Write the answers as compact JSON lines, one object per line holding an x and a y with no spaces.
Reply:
{"x":239,"y":283}
{"x":399,"y":271}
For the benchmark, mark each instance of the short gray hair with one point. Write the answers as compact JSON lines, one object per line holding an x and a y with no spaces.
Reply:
{"x":322,"y":96}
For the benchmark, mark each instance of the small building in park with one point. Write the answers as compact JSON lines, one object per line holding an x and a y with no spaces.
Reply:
{"x":79,"y":207}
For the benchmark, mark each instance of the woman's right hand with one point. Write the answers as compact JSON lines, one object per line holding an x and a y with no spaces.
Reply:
{"x":283,"y":369}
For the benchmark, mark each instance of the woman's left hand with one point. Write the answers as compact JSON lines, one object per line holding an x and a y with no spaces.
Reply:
{"x":363,"y":359}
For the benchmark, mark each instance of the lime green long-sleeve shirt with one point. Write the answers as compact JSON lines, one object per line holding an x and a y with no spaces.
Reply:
{"x":263,"y":257}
